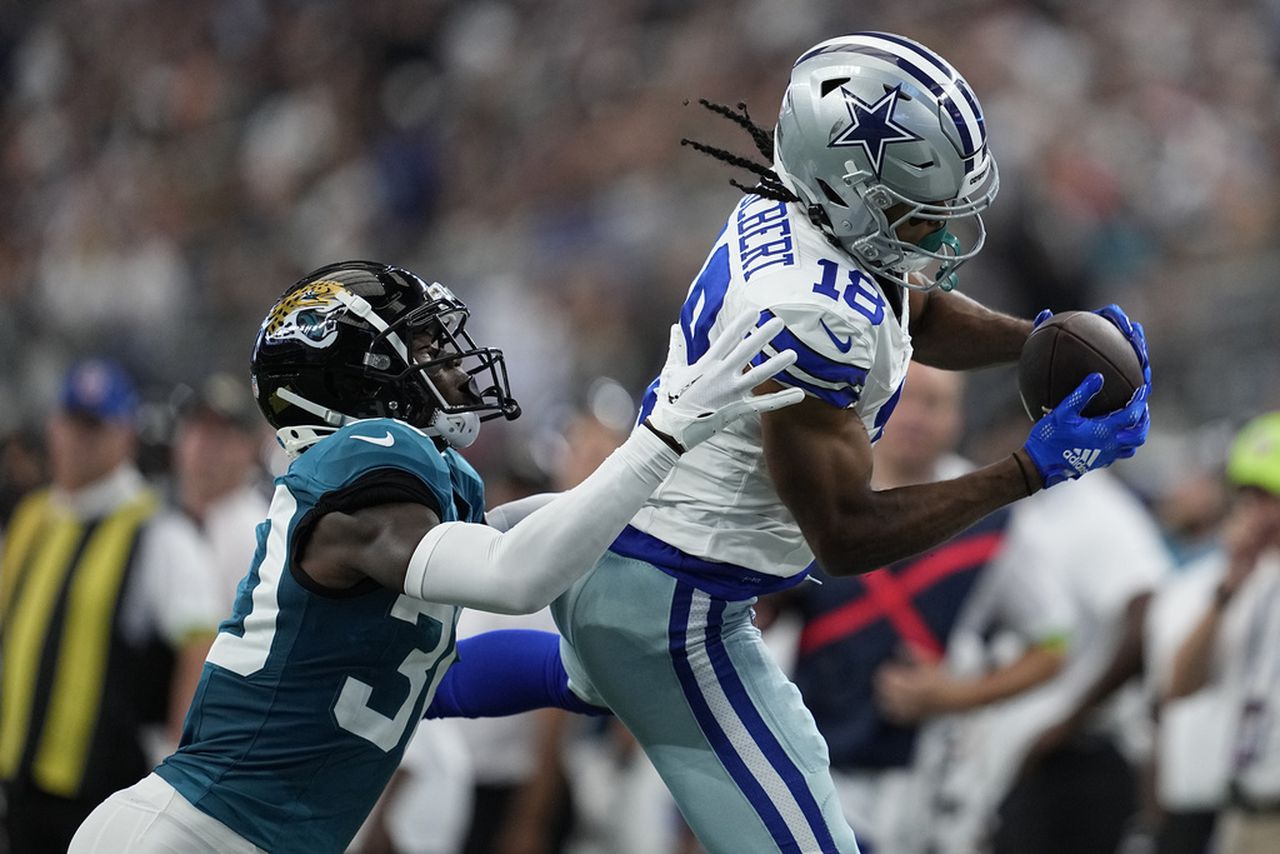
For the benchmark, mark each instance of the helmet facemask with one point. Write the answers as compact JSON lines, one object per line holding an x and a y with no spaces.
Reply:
{"x":427,"y":400}
{"x":961,"y":237}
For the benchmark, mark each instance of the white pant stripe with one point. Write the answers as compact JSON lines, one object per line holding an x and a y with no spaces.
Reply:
{"x":736,"y":731}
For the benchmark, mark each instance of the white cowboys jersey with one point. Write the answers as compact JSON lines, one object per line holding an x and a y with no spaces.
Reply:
{"x":719,"y":502}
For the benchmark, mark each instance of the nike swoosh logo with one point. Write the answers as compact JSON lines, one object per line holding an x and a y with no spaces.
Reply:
{"x":385,"y":441}
{"x":843,"y":345}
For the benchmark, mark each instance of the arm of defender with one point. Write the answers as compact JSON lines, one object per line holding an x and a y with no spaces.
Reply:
{"x":505,"y":516}
{"x":820,"y":460}
{"x":954,"y":332}
{"x":405,"y":546}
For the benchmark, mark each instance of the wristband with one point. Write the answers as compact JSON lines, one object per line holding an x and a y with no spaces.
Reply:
{"x":1030,"y":477}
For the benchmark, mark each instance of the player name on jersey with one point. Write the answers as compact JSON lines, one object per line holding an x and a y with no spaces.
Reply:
{"x":764,"y":236}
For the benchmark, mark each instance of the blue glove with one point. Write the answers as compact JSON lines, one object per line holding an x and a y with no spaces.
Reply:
{"x":1042,"y":317}
{"x":1064,"y":444}
{"x":1133,"y":331}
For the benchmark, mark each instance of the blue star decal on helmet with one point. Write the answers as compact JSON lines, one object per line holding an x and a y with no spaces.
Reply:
{"x":872,"y":126}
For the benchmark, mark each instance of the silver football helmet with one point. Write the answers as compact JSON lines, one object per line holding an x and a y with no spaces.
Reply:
{"x":872,"y":120}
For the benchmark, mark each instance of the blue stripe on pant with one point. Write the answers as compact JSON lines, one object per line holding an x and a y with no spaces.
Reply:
{"x":690,"y":676}
{"x":720,"y":742}
{"x":789,"y":810}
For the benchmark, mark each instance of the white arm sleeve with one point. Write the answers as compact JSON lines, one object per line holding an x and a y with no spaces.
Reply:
{"x":505,"y":516}
{"x":522,"y":570}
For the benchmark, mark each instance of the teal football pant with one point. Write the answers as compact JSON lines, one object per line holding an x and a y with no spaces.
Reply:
{"x":689,"y":675}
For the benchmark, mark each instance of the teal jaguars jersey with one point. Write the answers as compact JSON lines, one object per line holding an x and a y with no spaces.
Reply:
{"x":308,"y":696}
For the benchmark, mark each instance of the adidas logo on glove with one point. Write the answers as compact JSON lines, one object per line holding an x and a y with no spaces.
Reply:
{"x":1081,"y":459}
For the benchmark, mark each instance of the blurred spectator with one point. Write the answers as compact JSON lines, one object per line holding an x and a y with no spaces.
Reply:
{"x":1190,"y":513}
{"x":243,"y":140}
{"x":106,"y":602}
{"x":876,"y":653}
{"x":218,"y":478}
{"x":517,"y":801}
{"x":1078,"y":737}
{"x":1233,"y":650}
{"x":426,"y":806}
{"x":218,"y":146}
{"x":519,"y":798}
{"x":1193,"y":732}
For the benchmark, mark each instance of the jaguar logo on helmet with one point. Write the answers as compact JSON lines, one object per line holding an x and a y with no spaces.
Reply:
{"x":376,"y":342}
{"x":307,"y":316}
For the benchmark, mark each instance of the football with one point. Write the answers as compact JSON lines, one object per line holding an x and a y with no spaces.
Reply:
{"x":1065,"y":349}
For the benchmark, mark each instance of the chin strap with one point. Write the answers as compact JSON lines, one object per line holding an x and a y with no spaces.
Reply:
{"x":295,"y":440}
{"x":329,"y":416}
{"x":459,"y":429}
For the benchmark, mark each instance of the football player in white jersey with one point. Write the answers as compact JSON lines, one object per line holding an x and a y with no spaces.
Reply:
{"x":853,"y":237}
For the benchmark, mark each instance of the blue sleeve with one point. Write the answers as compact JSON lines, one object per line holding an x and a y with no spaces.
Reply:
{"x":504,"y":673}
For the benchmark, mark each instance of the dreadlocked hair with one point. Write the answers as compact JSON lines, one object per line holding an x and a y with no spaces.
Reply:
{"x":769,"y":185}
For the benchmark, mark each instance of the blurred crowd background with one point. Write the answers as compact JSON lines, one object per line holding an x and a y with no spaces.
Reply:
{"x":169,"y":168}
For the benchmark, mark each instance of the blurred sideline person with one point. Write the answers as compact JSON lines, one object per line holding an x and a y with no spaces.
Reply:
{"x":343,"y":632}
{"x":879,"y":151}
{"x":1089,"y":728}
{"x":878,"y":665}
{"x":426,"y":804}
{"x":1192,"y":750}
{"x":1233,"y":649}
{"x":1069,"y":750}
{"x":548,"y":781}
{"x":217,"y":474}
{"x":107,"y":607}
{"x":620,"y":805}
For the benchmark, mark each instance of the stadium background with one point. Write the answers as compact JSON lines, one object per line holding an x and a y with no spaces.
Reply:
{"x":169,"y":168}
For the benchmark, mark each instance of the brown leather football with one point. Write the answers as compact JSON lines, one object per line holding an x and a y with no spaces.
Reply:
{"x":1065,"y":349}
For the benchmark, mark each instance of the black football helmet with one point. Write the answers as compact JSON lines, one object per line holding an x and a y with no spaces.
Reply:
{"x":340,"y":345}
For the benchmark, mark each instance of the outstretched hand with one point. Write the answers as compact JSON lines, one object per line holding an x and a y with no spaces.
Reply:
{"x":694,"y":402}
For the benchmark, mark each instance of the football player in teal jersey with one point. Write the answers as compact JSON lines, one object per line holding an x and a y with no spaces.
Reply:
{"x":342,"y":634}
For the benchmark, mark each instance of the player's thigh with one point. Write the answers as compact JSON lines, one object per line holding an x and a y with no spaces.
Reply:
{"x":151,"y":818}
{"x":691,"y":679}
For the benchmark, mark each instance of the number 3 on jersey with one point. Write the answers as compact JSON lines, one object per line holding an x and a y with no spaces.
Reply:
{"x":423,"y":668}
{"x":244,"y":649}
